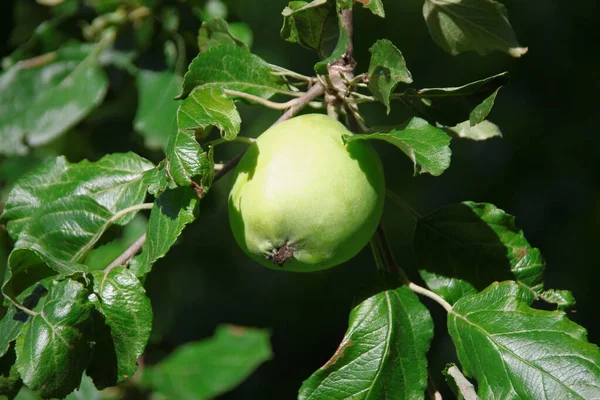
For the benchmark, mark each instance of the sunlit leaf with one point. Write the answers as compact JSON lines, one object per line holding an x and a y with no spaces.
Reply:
{"x":217,"y":32}
{"x":482,"y":131}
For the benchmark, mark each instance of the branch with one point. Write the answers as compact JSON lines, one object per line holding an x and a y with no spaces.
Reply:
{"x":124,"y":258}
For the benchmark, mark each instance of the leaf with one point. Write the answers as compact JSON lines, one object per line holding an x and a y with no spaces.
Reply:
{"x":462,"y":388}
{"x":10,"y":329}
{"x":376,"y":6}
{"x":450,"y":106}
{"x":207,"y":107}
{"x":10,"y":380}
{"x":231,"y":67}
{"x":515,"y":351}
{"x":242,"y":32}
{"x":172,"y":211}
{"x":564,"y":299}
{"x":155,"y":118}
{"x":464,"y":25}
{"x":54,"y":348}
{"x":205,"y":369}
{"x":482,"y":131}
{"x":216,"y":32}
{"x":385,"y":346}
{"x":343,"y":42}
{"x":86,"y":391}
{"x":42,"y":98}
{"x":426,"y":145}
{"x":122,"y":300}
{"x":114,"y":181}
{"x":462,"y":248}
{"x":386,"y":70}
{"x":306,"y":23}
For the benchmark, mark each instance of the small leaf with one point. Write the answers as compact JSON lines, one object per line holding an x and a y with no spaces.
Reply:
{"x":376,"y":6}
{"x":231,"y":67}
{"x":515,"y":351}
{"x":385,"y":345}
{"x":462,"y":388}
{"x":42,"y":98}
{"x":86,"y":391}
{"x":217,"y":32}
{"x":462,"y":248}
{"x":450,"y":106}
{"x":122,"y":300}
{"x":155,"y":118}
{"x":54,"y":348}
{"x":482,"y":131}
{"x":207,"y":107}
{"x":386,"y":70}
{"x":563,"y":299}
{"x":426,"y":145}
{"x":306,"y":23}
{"x":172,"y":211}
{"x":114,"y":181}
{"x":205,"y":369}
{"x":464,"y":25}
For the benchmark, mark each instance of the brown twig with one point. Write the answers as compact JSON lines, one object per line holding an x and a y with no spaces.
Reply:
{"x":127,"y":255}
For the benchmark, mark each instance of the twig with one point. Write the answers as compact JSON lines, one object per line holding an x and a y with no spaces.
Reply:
{"x":464,"y":386}
{"x":432,"y":390}
{"x":267,"y":103}
{"x":128,"y":254}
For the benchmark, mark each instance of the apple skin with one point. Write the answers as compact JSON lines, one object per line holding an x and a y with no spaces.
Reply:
{"x":302,"y":200}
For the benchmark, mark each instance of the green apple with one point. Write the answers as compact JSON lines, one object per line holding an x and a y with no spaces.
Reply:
{"x":302,"y":199}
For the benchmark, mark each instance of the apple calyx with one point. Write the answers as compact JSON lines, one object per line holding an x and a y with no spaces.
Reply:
{"x":281,"y":255}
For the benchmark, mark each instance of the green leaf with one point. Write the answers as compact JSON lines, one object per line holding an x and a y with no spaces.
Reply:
{"x":122,"y":300}
{"x":242,"y":32}
{"x":386,"y":70}
{"x":155,"y":118}
{"x":343,"y":41}
{"x":207,"y":107}
{"x":86,"y":391}
{"x":54,"y":348}
{"x":482,"y":131}
{"x":450,"y":106}
{"x":172,"y":211}
{"x":376,"y":6}
{"x":42,"y":98}
{"x":114,"y":181}
{"x":464,"y":25}
{"x":462,"y":248}
{"x":426,"y":146}
{"x":462,"y":388}
{"x":515,"y":351}
{"x":10,"y":329}
{"x":231,"y":67}
{"x":217,"y":32}
{"x":10,"y":380}
{"x":205,"y":369}
{"x":306,"y":23}
{"x":385,"y":345}
{"x":562,"y":298}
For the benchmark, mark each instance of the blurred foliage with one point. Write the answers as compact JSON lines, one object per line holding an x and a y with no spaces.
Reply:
{"x":544,"y":170}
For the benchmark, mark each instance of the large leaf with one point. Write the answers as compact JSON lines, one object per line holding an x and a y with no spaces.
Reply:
{"x":386,"y":69}
{"x":42,"y":98}
{"x":231,"y":67}
{"x":172,"y":211}
{"x":205,"y":369}
{"x":343,"y":39}
{"x":156,"y":114}
{"x":306,"y":23}
{"x":216,"y":32}
{"x":463,"y":25}
{"x":517,"y":352}
{"x":426,"y":146}
{"x":55,"y":348}
{"x":463,"y":247}
{"x":207,"y":107}
{"x":451,"y":106}
{"x":114,"y":181}
{"x":385,"y":346}
{"x":122,"y":300}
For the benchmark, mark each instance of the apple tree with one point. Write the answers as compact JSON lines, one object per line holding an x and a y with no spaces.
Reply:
{"x":86,"y":233}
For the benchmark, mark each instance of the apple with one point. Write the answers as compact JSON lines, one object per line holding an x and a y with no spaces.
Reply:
{"x":303,"y":200}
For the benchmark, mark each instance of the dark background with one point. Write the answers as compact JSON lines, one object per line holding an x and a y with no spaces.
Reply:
{"x":544,"y":171}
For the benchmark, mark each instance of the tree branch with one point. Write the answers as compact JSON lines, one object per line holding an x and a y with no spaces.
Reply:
{"x":128,"y":254}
